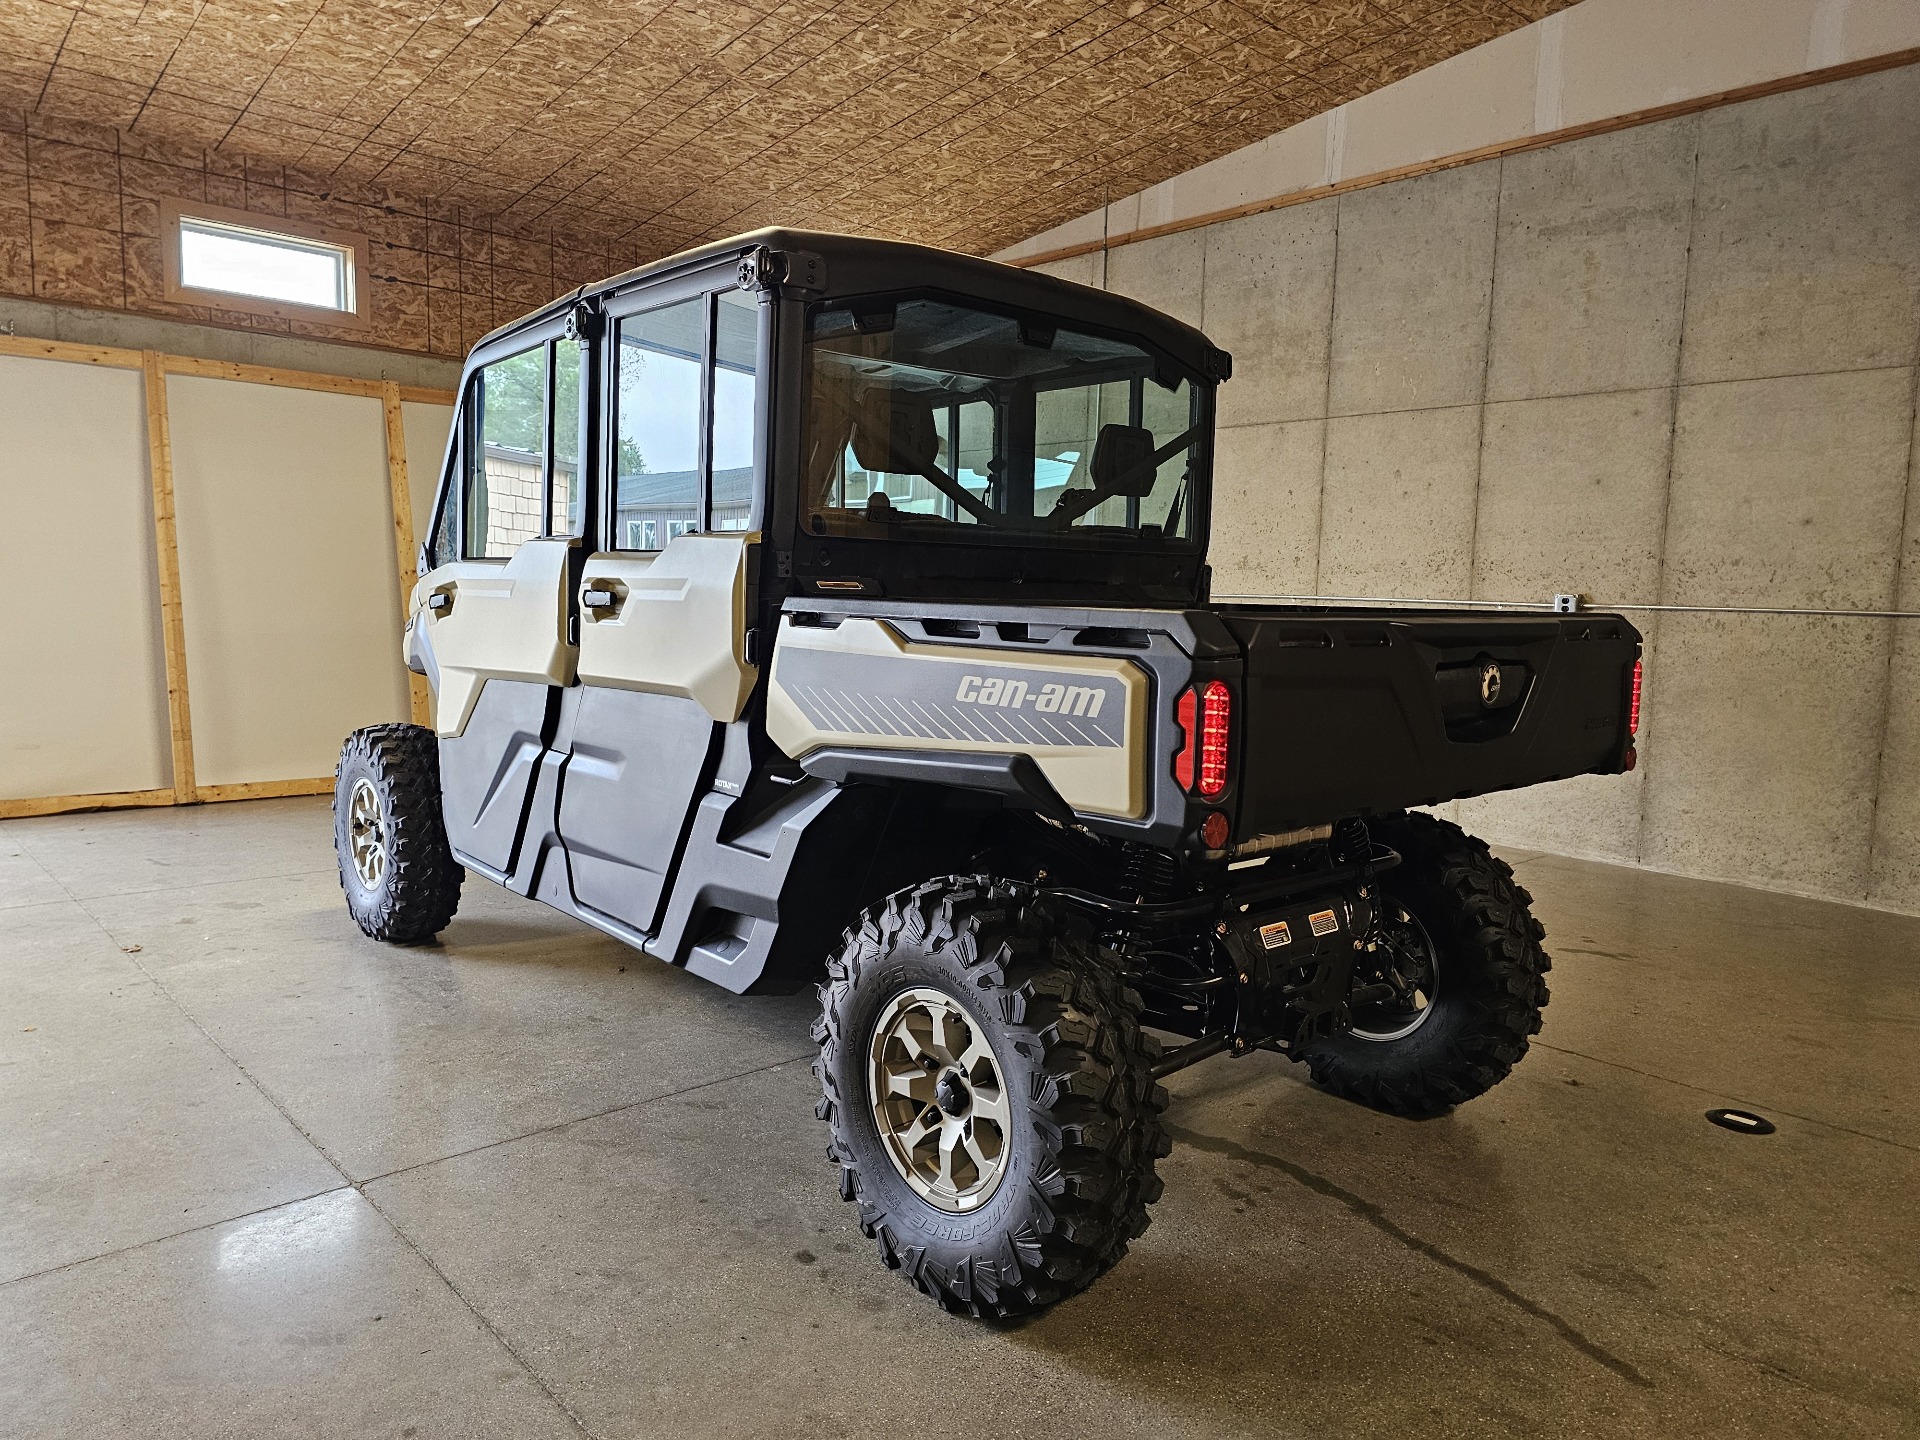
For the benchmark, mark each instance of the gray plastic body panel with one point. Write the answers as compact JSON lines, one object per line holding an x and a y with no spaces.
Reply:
{"x":634,"y":764}
{"x":486,"y":769}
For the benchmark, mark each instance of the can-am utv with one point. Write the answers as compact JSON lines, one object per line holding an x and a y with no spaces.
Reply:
{"x":813,"y":609}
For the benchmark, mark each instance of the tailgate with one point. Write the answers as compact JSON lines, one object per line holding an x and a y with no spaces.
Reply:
{"x":1361,"y":712}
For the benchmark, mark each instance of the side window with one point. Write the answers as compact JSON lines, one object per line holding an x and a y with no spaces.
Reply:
{"x":441,"y":546}
{"x":657,"y":425}
{"x":681,"y":366}
{"x":736,"y":340}
{"x":505,"y":479}
{"x":568,"y":359}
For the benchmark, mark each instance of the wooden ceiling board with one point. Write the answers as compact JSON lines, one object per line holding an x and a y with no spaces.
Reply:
{"x":969,"y":122}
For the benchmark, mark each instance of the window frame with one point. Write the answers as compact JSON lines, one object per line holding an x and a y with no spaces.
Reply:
{"x":453,"y":485}
{"x":705,"y":284}
{"x":1202,"y":413}
{"x":357,"y":248}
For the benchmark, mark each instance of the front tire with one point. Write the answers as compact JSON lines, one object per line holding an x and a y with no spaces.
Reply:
{"x":990,"y":1097}
{"x":396,"y":867}
{"x":1461,"y":945}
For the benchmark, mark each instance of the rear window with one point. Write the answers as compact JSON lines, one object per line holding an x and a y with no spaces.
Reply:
{"x":933,"y":419}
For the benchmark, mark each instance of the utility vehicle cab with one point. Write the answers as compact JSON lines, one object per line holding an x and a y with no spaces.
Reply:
{"x":642,"y":476}
{"x":812,"y":606}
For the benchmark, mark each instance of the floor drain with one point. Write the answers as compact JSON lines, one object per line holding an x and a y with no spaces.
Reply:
{"x":1741,"y":1122}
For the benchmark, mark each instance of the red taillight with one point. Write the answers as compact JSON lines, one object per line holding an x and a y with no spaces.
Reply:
{"x":1633,"y":706}
{"x":1201,"y":764}
{"x":1215,"y":710}
{"x":1190,"y":744}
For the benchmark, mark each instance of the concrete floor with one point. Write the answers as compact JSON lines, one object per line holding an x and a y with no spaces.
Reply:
{"x":260,"y":1176}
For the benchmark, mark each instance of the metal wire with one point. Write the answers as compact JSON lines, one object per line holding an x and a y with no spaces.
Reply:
{"x":1586,"y":606}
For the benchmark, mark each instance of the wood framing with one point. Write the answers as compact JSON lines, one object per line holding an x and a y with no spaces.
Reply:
{"x":66,"y":804}
{"x":166,"y":546}
{"x":300,"y":379}
{"x":1891,"y":61}
{"x":403,"y":538}
{"x":107,"y":355}
{"x":266,"y":789}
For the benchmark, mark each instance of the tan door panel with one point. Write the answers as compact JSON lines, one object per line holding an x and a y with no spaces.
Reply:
{"x":673,"y":623}
{"x":487,"y":621}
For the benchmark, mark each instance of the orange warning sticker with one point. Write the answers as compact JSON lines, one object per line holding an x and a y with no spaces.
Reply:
{"x":1323,"y":922}
{"x":1275,"y":935}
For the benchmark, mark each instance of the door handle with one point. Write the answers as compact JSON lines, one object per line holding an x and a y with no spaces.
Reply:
{"x":440,"y":600}
{"x":597,"y":599}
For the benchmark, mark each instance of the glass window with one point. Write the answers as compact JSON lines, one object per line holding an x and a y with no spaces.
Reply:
{"x":736,"y":344}
{"x":568,"y":358}
{"x":932,"y":420}
{"x":264,"y":264}
{"x":506,"y":454}
{"x":657,"y":419}
{"x":441,"y":546}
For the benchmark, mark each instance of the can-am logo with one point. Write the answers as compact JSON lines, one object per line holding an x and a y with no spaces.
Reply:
{"x":1080,"y":700}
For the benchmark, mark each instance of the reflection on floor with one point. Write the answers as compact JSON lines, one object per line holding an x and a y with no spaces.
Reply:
{"x":260,"y":1176}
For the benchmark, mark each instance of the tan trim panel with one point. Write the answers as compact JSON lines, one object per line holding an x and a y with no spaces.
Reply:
{"x":861,"y":685}
{"x":675,"y":623}
{"x":498,"y":621}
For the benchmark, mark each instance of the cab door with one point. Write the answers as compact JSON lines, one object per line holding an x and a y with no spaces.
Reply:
{"x":663,"y":604}
{"x":489,"y":622}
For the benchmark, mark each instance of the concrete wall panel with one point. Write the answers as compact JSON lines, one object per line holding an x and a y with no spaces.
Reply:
{"x":1414,"y":279}
{"x":1789,"y":492}
{"x":1573,"y":495}
{"x":1269,"y":302}
{"x":1266,"y":509}
{"x":1768,"y":751}
{"x":1895,"y":880}
{"x":1594,"y":817}
{"x":1592,"y":264}
{"x":1807,"y":232}
{"x":1081,"y":269}
{"x":1166,"y":274}
{"x":1397,"y":515}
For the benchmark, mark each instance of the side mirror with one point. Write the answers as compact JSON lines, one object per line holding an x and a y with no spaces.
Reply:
{"x":894,"y":434}
{"x":1122,"y":461}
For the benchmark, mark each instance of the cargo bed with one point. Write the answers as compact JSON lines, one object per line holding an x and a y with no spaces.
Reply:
{"x":1362,"y":712}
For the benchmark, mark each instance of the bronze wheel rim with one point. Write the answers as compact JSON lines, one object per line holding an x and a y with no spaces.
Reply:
{"x":939,"y":1100}
{"x":366,"y":834}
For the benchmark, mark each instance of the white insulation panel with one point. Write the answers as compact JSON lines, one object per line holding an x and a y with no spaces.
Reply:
{"x":83,"y":691}
{"x":287,"y":576}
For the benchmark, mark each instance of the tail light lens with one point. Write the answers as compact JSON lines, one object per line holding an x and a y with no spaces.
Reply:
{"x":1215,"y":714}
{"x":1633,"y":705}
{"x":1205,"y":718}
{"x":1190,"y":745}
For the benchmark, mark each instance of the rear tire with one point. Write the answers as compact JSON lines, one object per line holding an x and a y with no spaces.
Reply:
{"x":1487,"y":978}
{"x":401,"y":880}
{"x":1019,"y":1024}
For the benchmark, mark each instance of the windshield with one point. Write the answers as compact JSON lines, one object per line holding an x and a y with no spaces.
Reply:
{"x":929,"y":419}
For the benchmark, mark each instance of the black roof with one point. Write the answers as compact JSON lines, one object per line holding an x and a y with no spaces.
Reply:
{"x":858,"y":265}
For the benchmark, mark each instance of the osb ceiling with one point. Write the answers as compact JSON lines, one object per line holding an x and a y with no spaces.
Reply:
{"x":968,"y":123}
